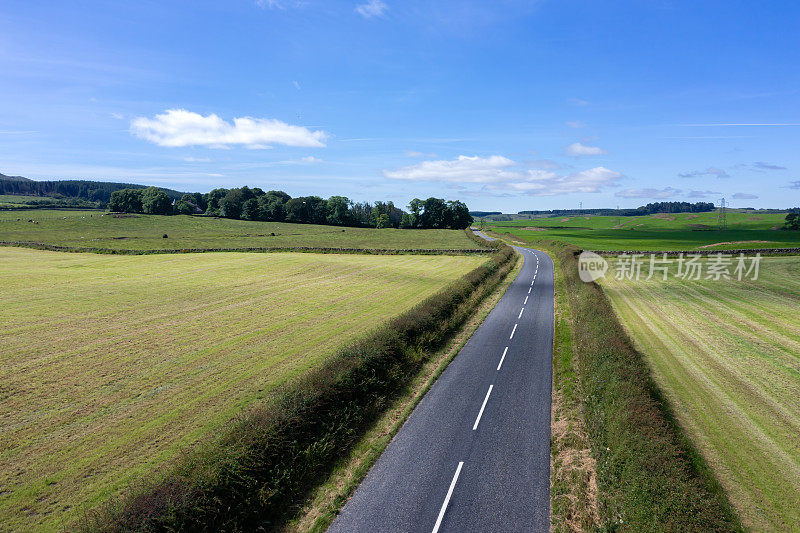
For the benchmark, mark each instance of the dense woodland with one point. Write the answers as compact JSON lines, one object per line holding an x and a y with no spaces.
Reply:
{"x":649,"y":209}
{"x":247,"y":203}
{"x":91,"y":191}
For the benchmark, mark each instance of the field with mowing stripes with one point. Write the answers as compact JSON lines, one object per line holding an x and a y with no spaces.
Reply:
{"x":146,"y":232}
{"x":113,"y":364}
{"x":675,"y":231}
{"x":727,"y":354}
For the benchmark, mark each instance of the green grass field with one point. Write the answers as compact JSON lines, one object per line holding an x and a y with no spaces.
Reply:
{"x":727,"y":354}
{"x":679,"y":231}
{"x":114,"y":364}
{"x":11,"y":200}
{"x":143,"y":232}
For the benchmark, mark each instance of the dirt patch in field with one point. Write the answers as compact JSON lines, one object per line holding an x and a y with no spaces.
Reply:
{"x":663,"y":216}
{"x":755,"y":218}
{"x":779,"y":226}
{"x":693,"y":216}
{"x":733,"y":242}
{"x":700,"y":226}
{"x":564,"y":219}
{"x":534,"y":228}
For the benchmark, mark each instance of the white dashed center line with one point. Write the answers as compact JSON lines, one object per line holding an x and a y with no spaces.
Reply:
{"x":502,"y":358}
{"x":526,"y":301}
{"x":447,"y":498}
{"x":480,"y":413}
{"x":512,"y":331}
{"x":520,"y":313}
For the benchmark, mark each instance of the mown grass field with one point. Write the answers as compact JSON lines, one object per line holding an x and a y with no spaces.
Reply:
{"x":678,"y":231}
{"x":727,"y":354}
{"x":114,"y":364}
{"x":145,"y":232}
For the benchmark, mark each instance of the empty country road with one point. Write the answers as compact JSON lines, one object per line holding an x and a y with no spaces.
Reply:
{"x":475,"y":453}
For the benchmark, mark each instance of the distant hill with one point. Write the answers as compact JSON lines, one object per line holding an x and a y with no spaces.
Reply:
{"x":3,"y":177}
{"x":93,"y":191}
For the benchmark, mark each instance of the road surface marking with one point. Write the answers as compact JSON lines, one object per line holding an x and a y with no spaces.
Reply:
{"x":447,"y":498}
{"x":529,"y":290}
{"x":512,"y":331}
{"x":502,"y":358}
{"x":520,"y":313}
{"x":526,"y":299}
{"x":480,"y":413}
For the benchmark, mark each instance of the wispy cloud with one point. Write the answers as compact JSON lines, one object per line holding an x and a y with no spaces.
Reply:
{"x":414,"y":153}
{"x":499,"y":174}
{"x":372,"y":8}
{"x":702,"y":194}
{"x":744,"y":196}
{"x":178,"y":127}
{"x":794,"y":184}
{"x":760,"y":165}
{"x":710,"y":171}
{"x":578,"y":150}
{"x":658,"y":194}
{"x":577,"y":124}
{"x":741,"y":124}
{"x":578,"y":102}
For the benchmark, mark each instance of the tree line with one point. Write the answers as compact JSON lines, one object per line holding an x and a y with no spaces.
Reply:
{"x":247,"y":203}
{"x":92,"y":191}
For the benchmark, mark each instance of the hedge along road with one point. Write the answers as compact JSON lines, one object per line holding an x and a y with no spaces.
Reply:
{"x":475,"y":453}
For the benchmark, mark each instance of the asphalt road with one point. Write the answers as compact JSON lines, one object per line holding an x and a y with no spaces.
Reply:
{"x":475,"y":453}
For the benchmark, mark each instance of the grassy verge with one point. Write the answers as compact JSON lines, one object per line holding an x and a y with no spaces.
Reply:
{"x":261,"y":468}
{"x":650,"y":477}
{"x":726,"y":354}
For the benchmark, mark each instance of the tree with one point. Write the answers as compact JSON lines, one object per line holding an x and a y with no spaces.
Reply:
{"x":182,"y":207}
{"x":415,"y":206}
{"x":270,"y":208}
{"x":297,"y":210}
{"x":250,"y":210}
{"x":231,"y":205}
{"x":338,"y":209}
{"x":156,"y":202}
{"x":792,"y":221}
{"x":458,"y":217}
{"x":433,"y":214}
{"x":407,"y":221}
{"x":213,"y":198}
{"x":383,"y":221}
{"x":126,"y":201}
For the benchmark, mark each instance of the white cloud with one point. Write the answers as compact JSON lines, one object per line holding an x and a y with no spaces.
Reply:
{"x":575,"y":124}
{"x":197,"y":159}
{"x":372,"y":8}
{"x":668,"y":192}
{"x":310,"y":159}
{"x":414,"y":153}
{"x":296,"y":84}
{"x":464,"y":169}
{"x":710,"y":171}
{"x":744,"y":196}
{"x":578,"y":102}
{"x":117,"y":116}
{"x":578,"y":149}
{"x":761,"y":165}
{"x":179,"y":127}
{"x":498,"y":174}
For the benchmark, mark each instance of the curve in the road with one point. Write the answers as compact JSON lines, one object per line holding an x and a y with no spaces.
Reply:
{"x":475,"y":453}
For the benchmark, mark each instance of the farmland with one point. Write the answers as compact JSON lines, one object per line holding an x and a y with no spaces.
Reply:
{"x":146,"y":232}
{"x":675,"y":231}
{"x":114,"y":364}
{"x":726,"y":355}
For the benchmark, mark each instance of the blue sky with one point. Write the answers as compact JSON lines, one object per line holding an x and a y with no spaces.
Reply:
{"x":507,"y":105}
